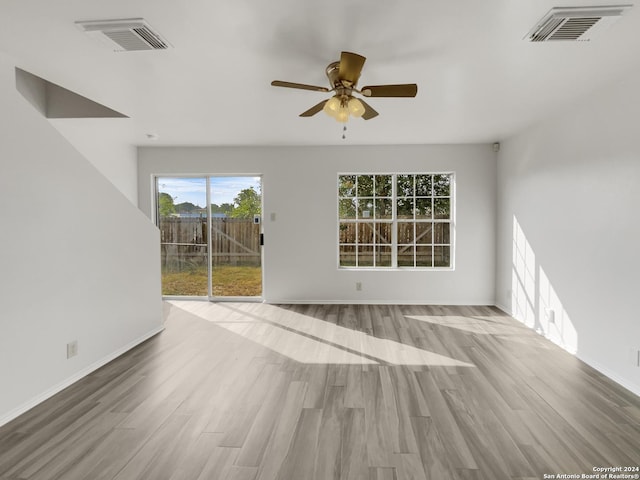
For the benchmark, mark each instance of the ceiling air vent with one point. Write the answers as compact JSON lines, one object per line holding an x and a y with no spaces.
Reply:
{"x":575,"y":23}
{"x":125,"y":35}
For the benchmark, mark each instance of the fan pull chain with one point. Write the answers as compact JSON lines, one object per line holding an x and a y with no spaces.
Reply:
{"x":344,"y":129}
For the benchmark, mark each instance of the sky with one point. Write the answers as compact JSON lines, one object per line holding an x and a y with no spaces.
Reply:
{"x":223,"y":189}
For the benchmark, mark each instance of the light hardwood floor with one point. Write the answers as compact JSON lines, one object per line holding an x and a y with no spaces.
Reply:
{"x":235,"y":391}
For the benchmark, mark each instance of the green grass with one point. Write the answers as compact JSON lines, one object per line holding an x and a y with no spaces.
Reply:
{"x":228,"y":281}
{"x":190,"y":282}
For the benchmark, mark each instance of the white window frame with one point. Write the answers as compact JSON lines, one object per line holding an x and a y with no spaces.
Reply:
{"x":394,"y":221}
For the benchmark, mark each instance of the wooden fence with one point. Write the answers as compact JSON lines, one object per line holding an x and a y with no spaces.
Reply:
{"x":234,"y":241}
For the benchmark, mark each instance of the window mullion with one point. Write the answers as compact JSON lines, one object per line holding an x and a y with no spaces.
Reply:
{"x":357,"y":207}
{"x":394,"y":222}
{"x":374,"y":220}
{"x":415,"y":230}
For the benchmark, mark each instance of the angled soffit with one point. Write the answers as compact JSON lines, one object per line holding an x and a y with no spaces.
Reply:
{"x":54,"y":101}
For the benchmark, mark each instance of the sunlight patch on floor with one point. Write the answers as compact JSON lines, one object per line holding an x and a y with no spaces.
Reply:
{"x":476,"y":325}
{"x":311,"y":340}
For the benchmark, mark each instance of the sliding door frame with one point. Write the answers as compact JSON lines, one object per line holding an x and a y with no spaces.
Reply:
{"x":210,"y":296}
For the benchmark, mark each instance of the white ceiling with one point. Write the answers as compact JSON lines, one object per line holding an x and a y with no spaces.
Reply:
{"x":478,"y":80}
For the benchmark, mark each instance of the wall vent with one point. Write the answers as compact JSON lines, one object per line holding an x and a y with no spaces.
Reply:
{"x":575,"y":23}
{"x":125,"y":35}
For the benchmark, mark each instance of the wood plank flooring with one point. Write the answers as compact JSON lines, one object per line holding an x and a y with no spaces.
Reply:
{"x":235,"y":391}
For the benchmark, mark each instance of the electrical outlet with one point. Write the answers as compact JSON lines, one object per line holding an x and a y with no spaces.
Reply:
{"x":550,"y":314}
{"x":634,"y":357}
{"x":358,"y":286}
{"x":72,"y":349}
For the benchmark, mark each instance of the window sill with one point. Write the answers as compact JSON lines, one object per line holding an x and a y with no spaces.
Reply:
{"x":397,"y":269}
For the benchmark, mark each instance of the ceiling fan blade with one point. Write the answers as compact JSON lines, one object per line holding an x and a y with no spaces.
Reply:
{"x":404,"y":90}
{"x":313,"y":110}
{"x":368,"y":111}
{"x":350,"y":67}
{"x":302,"y":86}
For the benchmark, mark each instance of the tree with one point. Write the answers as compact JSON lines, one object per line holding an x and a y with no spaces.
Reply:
{"x":225,"y":208}
{"x":165,"y":205}
{"x":188,"y":207}
{"x":247,"y":204}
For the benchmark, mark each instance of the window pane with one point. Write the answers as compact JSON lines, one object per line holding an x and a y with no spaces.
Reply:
{"x":405,"y":208}
{"x":365,"y":208}
{"x":365,"y":256}
{"x":365,"y":186}
{"x":423,"y":208}
{"x":182,"y":221}
{"x":383,"y":256}
{"x":424,"y":232}
{"x":442,"y":234}
{"x":405,"y":186}
{"x":347,"y":256}
{"x":183,"y":229}
{"x":441,"y":208}
{"x":405,"y":232}
{"x":383,"y":185}
{"x":423,"y":185}
{"x":347,"y":209}
{"x":384,"y":208}
{"x":405,"y":255}
{"x":347,"y":185}
{"x":383,"y":233}
{"x":423,"y":256}
{"x":441,"y":185}
{"x":347,"y":232}
{"x":365,"y":232}
{"x":441,"y":256}
{"x":184,"y":269}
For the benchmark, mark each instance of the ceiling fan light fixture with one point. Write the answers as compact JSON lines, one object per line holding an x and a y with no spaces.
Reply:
{"x":340,"y":108}
{"x":356,"y":109}
{"x":332,"y":106}
{"x":337,"y":109}
{"x":343,"y":115}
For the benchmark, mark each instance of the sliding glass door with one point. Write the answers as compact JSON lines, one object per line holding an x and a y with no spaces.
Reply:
{"x":212,"y":251}
{"x":182,"y":220}
{"x":236,"y":260}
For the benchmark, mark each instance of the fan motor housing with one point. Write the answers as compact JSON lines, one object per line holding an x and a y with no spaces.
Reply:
{"x":333,"y":70}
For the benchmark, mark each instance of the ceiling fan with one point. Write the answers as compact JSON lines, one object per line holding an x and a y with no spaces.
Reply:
{"x":343,"y":78}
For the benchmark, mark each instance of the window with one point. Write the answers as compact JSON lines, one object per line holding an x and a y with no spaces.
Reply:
{"x":395,"y":220}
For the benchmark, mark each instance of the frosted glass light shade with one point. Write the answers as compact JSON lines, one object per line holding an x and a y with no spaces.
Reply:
{"x":356,"y":108}
{"x":341,"y":107}
{"x":332,"y":107}
{"x":343,"y":115}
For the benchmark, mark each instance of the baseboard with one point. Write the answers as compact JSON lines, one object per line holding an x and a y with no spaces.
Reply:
{"x":632,"y":387}
{"x":504,"y":309}
{"x":25,"y":407}
{"x":272,"y":301}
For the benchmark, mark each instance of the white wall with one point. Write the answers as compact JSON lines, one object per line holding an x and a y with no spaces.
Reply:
{"x":106,"y":143}
{"x":570,"y":190}
{"x":299,"y":186}
{"x":77,"y":260}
